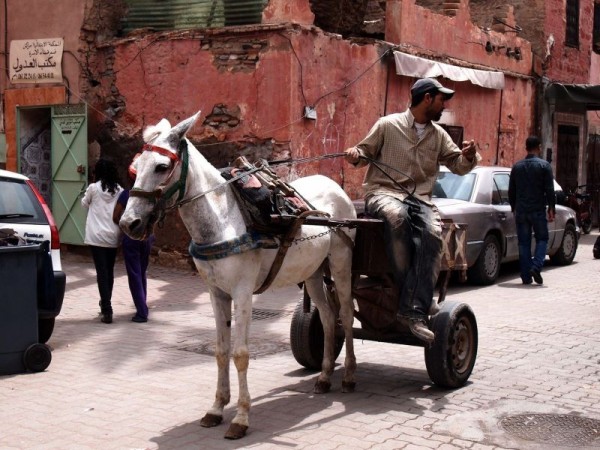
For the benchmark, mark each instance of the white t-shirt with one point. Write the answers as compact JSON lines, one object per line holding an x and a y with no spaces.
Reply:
{"x":420,"y":127}
{"x":100,"y":230}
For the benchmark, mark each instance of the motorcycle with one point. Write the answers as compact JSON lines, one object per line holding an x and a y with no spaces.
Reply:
{"x":580,"y":201}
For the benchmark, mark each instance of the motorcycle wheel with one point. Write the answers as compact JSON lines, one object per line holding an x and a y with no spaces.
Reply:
{"x":586,"y":226}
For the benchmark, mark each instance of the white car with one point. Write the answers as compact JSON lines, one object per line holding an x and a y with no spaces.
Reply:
{"x":23,"y":209}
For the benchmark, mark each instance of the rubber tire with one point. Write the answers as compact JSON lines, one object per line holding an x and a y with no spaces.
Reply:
{"x":37,"y":357}
{"x":307,"y":339}
{"x":45,"y":329}
{"x":451,"y":357}
{"x":479,"y":273}
{"x":563,"y":257}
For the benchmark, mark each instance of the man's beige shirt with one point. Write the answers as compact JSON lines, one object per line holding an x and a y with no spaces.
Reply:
{"x":393,"y":141}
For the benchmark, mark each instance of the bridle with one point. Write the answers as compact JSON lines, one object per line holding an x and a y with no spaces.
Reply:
{"x":161,"y":195}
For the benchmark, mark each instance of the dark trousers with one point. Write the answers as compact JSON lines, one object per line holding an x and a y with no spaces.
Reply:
{"x":413,"y":243}
{"x":136,"y":255}
{"x":104,"y":261}
{"x":526,"y":223}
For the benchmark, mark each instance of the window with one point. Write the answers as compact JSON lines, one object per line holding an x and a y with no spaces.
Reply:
{"x":596,"y":36}
{"x":177,"y":14}
{"x":500,"y":190}
{"x":456,"y":133}
{"x":572,"y":29}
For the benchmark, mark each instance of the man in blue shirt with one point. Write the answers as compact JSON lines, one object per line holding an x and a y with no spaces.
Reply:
{"x":530,"y":191}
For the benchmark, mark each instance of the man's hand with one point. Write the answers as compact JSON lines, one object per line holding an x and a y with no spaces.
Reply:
{"x":550,"y":215}
{"x":468,"y":150}
{"x":352,"y":155}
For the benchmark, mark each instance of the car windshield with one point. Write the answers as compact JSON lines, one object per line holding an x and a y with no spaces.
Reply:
{"x":450,"y":185}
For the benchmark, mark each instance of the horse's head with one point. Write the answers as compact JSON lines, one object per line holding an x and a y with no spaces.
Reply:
{"x":160,"y":172}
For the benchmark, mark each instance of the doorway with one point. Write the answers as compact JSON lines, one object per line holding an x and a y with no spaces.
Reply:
{"x":35,"y":150}
{"x":567,"y":157}
{"x":52,"y":152}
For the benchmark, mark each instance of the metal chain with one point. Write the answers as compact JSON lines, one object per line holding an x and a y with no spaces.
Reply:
{"x":315,"y":236}
{"x":310,"y":238}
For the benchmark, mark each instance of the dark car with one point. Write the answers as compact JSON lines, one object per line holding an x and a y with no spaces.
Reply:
{"x":480,"y":200}
{"x":24,"y":211}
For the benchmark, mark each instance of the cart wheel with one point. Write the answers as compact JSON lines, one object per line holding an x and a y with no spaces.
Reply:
{"x":451,"y":358}
{"x":307,"y":338}
{"x":37,"y":357}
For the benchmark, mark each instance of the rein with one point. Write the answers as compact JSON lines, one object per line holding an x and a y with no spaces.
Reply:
{"x":160,"y":196}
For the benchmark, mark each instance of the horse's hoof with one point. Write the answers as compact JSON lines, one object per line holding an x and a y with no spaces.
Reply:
{"x":348,"y":386}
{"x":322,"y":387}
{"x":236,"y":431}
{"x":211,"y":420}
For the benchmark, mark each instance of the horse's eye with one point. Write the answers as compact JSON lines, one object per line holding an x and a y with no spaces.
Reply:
{"x":161,"y":168}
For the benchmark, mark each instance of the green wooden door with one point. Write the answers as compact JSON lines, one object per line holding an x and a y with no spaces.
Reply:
{"x":69,"y":170}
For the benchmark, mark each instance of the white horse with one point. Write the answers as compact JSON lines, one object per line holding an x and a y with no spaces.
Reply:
{"x":171,"y":171}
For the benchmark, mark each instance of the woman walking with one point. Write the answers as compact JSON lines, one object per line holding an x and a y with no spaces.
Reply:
{"x":101,"y":233}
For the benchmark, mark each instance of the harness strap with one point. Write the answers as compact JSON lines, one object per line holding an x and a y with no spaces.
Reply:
{"x":163,"y":151}
{"x":223,"y":249}
{"x":285,"y":244}
{"x":159,"y":193}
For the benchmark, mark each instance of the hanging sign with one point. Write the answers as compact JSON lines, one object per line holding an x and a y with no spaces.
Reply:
{"x":36,"y":61}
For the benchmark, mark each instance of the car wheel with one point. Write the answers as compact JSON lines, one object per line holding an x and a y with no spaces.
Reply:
{"x":487,"y":267}
{"x":45,"y":329}
{"x":568,"y":247}
{"x":307,"y":339}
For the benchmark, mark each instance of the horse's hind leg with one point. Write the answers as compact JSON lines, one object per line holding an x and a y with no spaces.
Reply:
{"x":340,"y":266}
{"x":315,"y":288}
{"x":221,"y":303}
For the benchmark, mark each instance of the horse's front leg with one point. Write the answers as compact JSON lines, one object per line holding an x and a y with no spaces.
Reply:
{"x":241,"y":358}
{"x":221,"y":303}
{"x":314,"y":286}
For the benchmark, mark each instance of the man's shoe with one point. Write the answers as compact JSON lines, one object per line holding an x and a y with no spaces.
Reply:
{"x":139,"y":319}
{"x":536,"y":275}
{"x":418,"y":327}
{"x":527,"y":281}
{"x":106,"y":318}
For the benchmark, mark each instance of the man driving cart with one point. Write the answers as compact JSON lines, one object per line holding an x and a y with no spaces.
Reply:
{"x":404,"y":152}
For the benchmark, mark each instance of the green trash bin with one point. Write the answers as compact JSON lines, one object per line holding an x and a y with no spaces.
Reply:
{"x":20,"y":350}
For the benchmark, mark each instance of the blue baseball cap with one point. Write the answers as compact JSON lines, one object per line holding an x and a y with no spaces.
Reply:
{"x":428,"y":84}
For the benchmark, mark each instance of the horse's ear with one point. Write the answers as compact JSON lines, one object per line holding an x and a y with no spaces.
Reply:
{"x":179,"y":130}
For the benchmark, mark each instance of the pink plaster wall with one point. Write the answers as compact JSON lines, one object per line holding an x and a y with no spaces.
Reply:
{"x":178,"y":77}
{"x":298,"y":11}
{"x":566,"y":64}
{"x":457,"y":37}
{"x":300,"y":66}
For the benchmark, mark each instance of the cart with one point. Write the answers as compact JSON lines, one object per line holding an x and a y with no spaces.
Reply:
{"x":449,"y":359}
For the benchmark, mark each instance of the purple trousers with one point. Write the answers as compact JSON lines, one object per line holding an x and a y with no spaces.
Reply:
{"x":136,"y":255}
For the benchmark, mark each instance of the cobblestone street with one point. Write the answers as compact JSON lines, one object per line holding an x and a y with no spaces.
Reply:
{"x":146,"y":386}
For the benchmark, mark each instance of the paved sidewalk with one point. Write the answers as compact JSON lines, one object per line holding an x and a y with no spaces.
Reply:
{"x":146,"y":386}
